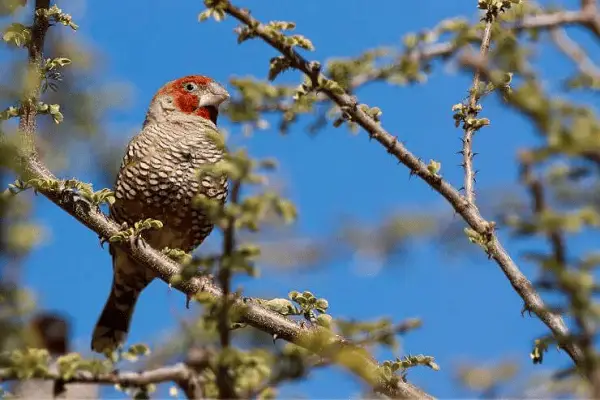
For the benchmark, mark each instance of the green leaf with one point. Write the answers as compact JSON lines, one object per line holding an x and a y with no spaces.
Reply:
{"x":324,"y":320}
{"x":17,"y":34}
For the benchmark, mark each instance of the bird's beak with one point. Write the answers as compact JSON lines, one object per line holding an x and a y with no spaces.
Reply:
{"x":215,"y":96}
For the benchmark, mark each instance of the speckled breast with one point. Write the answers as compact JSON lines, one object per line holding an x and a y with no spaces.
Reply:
{"x":159,"y":179}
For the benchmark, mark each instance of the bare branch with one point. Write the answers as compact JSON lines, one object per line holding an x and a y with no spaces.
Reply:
{"x":575,"y":53}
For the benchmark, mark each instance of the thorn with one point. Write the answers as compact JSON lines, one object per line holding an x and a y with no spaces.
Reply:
{"x":275,"y":337}
{"x":474,"y":154}
{"x":460,"y":152}
{"x":188,"y":298}
{"x":315,"y":66}
{"x":462,"y":188}
{"x":524,"y":310}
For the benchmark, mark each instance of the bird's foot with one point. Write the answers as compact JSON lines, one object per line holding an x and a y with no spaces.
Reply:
{"x":137,"y":242}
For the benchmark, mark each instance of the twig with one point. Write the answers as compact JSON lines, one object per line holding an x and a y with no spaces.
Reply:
{"x":224,"y":380}
{"x":27,"y":122}
{"x":400,"y":329}
{"x":175,"y":373}
{"x":393,"y":146}
{"x":589,"y":6}
{"x":575,"y":52}
{"x":472,"y":61}
{"x":470,"y":129}
{"x":165,"y":268}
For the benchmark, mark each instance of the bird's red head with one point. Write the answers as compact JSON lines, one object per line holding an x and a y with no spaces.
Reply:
{"x":195,"y":95}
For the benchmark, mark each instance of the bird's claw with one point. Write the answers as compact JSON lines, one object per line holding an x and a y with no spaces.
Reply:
{"x":137,"y":242}
{"x":102,"y":241}
{"x":524,"y":310}
{"x":67,"y":195}
{"x":70,"y":195}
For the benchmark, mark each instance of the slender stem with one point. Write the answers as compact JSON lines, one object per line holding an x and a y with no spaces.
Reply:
{"x":589,"y":6}
{"x":467,"y":150}
{"x":175,"y":373}
{"x":225,"y":382}
{"x":575,"y":52}
{"x":27,"y":122}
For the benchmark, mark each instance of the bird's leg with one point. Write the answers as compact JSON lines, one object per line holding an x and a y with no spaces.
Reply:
{"x":137,"y":241}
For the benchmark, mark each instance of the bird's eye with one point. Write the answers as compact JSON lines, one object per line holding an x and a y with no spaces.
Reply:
{"x":190,"y":87}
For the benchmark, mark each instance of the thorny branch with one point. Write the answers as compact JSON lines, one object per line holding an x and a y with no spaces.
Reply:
{"x":251,"y":313}
{"x":467,"y":150}
{"x":533,"y":301}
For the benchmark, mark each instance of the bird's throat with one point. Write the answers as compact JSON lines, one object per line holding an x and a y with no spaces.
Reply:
{"x":209,"y":112}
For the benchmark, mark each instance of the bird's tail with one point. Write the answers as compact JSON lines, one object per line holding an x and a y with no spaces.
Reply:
{"x":129,"y":279}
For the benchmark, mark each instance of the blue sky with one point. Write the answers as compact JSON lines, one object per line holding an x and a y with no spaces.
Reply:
{"x":469,"y":309}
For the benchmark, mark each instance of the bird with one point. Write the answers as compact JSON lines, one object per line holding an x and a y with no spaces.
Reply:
{"x":158,"y":179}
